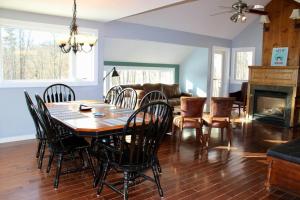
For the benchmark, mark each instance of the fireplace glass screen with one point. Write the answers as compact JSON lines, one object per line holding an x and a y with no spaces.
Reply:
{"x":271,"y":106}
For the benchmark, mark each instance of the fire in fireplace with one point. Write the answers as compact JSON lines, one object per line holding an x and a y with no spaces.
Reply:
{"x":270,"y":106}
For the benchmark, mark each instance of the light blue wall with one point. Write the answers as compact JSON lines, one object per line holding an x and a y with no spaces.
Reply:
{"x":252,"y":36}
{"x":194,"y":73}
{"x":14,"y":117}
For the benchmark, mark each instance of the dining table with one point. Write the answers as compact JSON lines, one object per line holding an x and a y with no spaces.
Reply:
{"x":90,"y":118}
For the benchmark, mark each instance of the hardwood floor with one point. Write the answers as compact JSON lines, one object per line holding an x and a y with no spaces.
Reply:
{"x":188,"y":174}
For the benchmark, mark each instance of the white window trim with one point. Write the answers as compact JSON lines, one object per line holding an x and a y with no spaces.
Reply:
{"x":48,"y":27}
{"x":108,"y":68}
{"x":234,"y":50}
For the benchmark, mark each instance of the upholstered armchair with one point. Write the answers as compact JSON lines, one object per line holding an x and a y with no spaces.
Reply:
{"x":219,"y":117}
{"x":191,"y":116}
{"x":240,"y":97}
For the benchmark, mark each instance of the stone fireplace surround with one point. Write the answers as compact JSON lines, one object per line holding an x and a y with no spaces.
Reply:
{"x":283,"y":80}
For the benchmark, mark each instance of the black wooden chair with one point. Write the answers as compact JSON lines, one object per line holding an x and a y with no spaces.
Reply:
{"x":40,"y":136}
{"x":112,"y":94}
{"x":58,"y":93}
{"x":60,"y":147}
{"x":136,"y":150}
{"x":126,"y":99}
{"x":153,"y":96}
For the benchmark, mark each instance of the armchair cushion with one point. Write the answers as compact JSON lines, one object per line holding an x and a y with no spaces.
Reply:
{"x":189,"y":122}
{"x":289,"y":151}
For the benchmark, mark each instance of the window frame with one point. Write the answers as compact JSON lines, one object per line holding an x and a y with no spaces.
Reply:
{"x":108,"y":68}
{"x":233,"y":62}
{"x":63,"y":29}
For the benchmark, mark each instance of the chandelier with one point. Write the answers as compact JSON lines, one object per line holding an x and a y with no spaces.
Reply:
{"x":76,"y":42}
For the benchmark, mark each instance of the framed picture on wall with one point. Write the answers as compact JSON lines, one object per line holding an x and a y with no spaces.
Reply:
{"x":279,"y":56}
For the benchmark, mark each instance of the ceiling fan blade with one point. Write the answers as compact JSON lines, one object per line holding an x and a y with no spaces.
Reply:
{"x":259,"y":12}
{"x":257,"y":7}
{"x":227,"y":7}
{"x":159,"y":8}
{"x":220,"y":13}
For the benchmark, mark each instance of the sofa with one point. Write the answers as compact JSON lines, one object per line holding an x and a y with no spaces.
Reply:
{"x":172,"y":91}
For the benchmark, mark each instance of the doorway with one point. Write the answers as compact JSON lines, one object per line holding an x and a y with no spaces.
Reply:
{"x":220,"y":72}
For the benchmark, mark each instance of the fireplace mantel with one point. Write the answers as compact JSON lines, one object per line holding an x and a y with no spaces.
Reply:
{"x":270,"y":77}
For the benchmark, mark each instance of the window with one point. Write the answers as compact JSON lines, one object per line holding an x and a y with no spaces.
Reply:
{"x":139,"y":75}
{"x":242,"y":58}
{"x":29,"y":55}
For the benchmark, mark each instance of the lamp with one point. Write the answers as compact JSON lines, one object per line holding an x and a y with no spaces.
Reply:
{"x":264,"y":19}
{"x":296,"y":16}
{"x":239,"y":16}
{"x":76,"y":42}
{"x":114,"y":73}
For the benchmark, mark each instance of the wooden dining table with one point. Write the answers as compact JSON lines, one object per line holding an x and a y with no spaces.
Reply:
{"x":86,"y":123}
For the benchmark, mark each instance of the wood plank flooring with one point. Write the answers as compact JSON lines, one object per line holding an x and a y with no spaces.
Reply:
{"x":190,"y":173}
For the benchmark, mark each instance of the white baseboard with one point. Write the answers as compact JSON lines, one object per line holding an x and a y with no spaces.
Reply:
{"x":16,"y":138}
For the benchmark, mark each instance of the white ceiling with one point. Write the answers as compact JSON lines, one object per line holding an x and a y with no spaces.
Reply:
{"x":144,"y":51}
{"x":195,"y":17}
{"x":99,"y":10}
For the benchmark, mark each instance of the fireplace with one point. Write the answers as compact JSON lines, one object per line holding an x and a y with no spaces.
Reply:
{"x":271,"y":106}
{"x":274,"y":94}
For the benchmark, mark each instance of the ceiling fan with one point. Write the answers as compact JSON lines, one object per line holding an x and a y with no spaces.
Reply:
{"x":239,"y":9}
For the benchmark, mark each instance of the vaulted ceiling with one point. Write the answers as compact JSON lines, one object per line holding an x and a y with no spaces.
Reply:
{"x":99,"y":10}
{"x":194,"y":16}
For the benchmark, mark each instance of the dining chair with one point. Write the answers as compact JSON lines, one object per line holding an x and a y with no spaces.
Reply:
{"x":112,"y":94}
{"x":58,"y":93}
{"x":153,"y":96}
{"x":40,"y":136}
{"x":61,"y":147}
{"x":137,"y":148}
{"x":126,"y":99}
{"x":219,"y":117}
{"x":191,"y":111}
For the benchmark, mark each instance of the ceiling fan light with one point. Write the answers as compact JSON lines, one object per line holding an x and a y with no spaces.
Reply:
{"x":264,"y":19}
{"x":243,"y":18}
{"x":234,"y":17}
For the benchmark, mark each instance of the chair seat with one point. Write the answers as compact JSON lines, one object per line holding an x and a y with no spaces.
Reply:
{"x":70,"y":143}
{"x":289,"y":151}
{"x":219,"y":122}
{"x":189,"y":122}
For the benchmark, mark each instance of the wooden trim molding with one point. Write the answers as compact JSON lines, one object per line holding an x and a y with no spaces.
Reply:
{"x":17,"y":138}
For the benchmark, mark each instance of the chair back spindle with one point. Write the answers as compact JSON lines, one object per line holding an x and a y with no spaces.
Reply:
{"x":126,"y":99}
{"x":112,"y":95}
{"x":153,"y":96}
{"x":58,"y":93}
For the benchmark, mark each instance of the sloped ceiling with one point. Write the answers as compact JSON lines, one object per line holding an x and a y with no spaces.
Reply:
{"x":144,"y":51}
{"x":99,"y":10}
{"x":195,"y":17}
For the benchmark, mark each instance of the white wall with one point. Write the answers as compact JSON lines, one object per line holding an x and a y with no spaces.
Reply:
{"x":14,"y":117}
